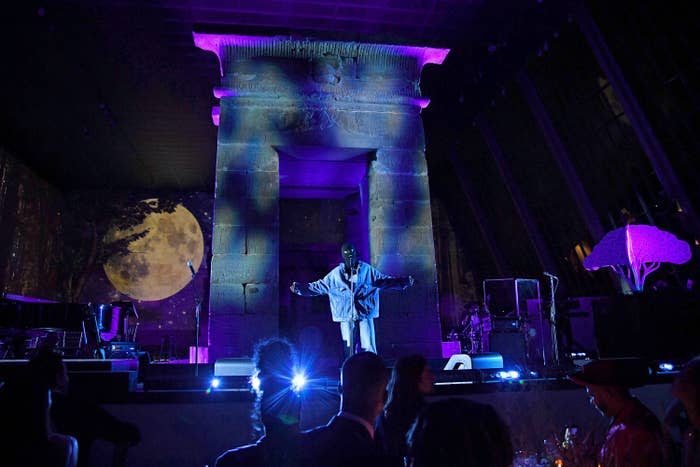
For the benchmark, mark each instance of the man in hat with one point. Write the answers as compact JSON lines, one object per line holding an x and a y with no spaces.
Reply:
{"x":634,"y":438}
{"x":353,"y":289}
{"x":686,"y":388}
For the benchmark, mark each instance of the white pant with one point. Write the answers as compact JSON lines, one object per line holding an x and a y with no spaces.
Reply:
{"x":366,"y":334}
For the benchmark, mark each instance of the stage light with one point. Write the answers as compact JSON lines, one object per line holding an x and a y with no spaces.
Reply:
{"x":298,"y":382}
{"x":510,"y":374}
{"x":255,"y":382}
{"x":666,"y":366}
{"x":215,"y":383}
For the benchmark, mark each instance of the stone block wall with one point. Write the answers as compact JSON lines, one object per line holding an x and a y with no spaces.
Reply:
{"x":401,"y":242}
{"x":243,"y":293}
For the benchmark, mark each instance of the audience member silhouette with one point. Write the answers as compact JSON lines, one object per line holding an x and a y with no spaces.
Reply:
{"x":26,"y":434}
{"x":277,"y":409}
{"x":459,"y":433}
{"x":88,"y":422}
{"x":686,"y":388}
{"x":348,"y":439}
{"x":635,"y":438}
{"x":411,"y":379}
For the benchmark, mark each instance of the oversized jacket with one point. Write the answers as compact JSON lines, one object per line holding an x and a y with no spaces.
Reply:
{"x":365,"y":285}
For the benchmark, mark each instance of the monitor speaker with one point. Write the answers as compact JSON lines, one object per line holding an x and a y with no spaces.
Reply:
{"x":234,"y":367}
{"x":477,"y":361}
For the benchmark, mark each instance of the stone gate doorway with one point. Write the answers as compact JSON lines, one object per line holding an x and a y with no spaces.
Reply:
{"x":292,"y":113}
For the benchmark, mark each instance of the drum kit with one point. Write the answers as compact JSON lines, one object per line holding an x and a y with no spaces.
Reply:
{"x":475,"y":329}
{"x":114,"y":329}
{"x":116,"y":321}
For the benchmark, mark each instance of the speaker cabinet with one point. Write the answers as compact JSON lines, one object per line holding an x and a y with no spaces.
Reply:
{"x":509,"y":297}
{"x":653,"y":325}
{"x":477,"y":361}
{"x":234,"y":367}
{"x":511,"y":345}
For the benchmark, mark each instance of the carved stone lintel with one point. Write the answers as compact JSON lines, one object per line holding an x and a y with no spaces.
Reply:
{"x":292,"y":69}
{"x":345,"y":125}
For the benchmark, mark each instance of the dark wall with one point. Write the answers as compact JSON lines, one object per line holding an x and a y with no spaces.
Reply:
{"x":30,"y":232}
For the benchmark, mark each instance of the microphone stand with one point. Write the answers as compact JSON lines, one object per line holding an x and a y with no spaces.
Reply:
{"x":553,"y":314}
{"x":355,"y":328}
{"x":355,"y":324}
{"x":197,"y":308}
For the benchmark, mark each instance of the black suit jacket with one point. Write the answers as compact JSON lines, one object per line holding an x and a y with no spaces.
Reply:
{"x":279,"y":451}
{"x":342,"y":443}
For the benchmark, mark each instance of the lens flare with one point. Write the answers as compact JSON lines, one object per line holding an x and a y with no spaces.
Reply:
{"x":298,"y":382}
{"x":255,"y":382}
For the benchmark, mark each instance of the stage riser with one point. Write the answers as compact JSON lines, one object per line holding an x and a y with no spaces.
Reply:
{"x":98,"y":380}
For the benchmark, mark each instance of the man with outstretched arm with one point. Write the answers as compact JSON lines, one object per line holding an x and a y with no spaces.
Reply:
{"x":353,"y":290}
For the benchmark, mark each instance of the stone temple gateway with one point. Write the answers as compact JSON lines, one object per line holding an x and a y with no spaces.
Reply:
{"x":308,"y":118}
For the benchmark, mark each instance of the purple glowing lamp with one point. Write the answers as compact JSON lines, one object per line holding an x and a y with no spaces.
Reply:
{"x":636,"y":251}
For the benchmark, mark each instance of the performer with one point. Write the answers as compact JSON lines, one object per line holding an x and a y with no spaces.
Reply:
{"x":353,"y":290}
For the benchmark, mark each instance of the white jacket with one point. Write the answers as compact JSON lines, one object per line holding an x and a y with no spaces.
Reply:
{"x":364,"y":285}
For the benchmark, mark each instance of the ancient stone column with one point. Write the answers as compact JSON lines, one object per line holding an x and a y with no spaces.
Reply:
{"x":283,"y":92}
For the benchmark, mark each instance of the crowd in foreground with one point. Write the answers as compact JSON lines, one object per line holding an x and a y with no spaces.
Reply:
{"x":383,"y":419}
{"x":386,"y":421}
{"x":44,"y":424}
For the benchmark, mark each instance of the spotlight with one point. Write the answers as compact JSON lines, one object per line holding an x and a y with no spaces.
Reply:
{"x":298,"y":382}
{"x":666,"y":366}
{"x":215,"y":383}
{"x":255,"y":382}
{"x":511,"y":374}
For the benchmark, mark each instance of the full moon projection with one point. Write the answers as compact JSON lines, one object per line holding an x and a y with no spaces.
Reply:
{"x":154,"y":265}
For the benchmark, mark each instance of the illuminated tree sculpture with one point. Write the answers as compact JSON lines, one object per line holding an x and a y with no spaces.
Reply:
{"x":635,"y":251}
